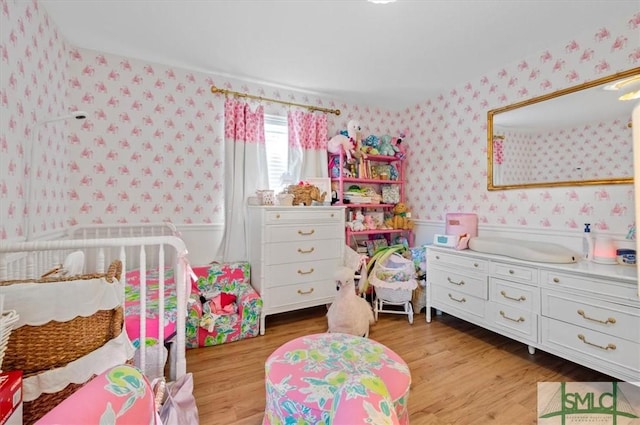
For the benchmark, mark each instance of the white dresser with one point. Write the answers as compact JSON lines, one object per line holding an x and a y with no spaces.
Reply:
{"x":294,"y":252}
{"x":584,"y":312}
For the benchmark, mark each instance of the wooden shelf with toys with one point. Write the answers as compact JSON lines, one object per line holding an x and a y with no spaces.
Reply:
{"x":372,"y":188}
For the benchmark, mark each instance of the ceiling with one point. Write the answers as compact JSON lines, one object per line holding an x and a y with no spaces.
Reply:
{"x":392,"y":55}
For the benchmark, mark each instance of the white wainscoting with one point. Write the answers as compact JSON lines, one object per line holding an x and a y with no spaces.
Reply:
{"x":202,"y":241}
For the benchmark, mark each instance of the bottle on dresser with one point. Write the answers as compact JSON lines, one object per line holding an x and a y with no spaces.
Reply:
{"x":587,"y":243}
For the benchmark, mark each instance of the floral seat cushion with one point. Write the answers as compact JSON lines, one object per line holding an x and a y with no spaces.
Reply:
{"x":335,"y":378}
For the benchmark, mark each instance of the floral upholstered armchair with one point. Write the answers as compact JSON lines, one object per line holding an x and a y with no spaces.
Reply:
{"x":223,"y":306}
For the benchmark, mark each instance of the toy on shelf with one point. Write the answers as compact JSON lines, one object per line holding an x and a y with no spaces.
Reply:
{"x":357,"y":224}
{"x":370,"y":145}
{"x":400,"y":219}
{"x":387,"y":147}
{"x":350,"y":142}
{"x":369,"y":223}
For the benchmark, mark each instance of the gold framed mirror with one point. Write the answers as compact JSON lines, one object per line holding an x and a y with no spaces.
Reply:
{"x":576,"y":136}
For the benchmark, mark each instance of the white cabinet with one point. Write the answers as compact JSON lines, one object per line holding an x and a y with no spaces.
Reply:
{"x":584,"y":312}
{"x":294,"y":252}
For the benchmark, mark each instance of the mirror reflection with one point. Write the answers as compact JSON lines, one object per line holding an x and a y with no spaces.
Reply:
{"x":576,"y":136}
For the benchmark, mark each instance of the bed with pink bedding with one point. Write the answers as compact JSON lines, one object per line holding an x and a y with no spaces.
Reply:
{"x":155,"y":329}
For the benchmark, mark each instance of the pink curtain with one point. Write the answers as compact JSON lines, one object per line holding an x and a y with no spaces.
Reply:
{"x":498,"y":150}
{"x":307,"y":144}
{"x":245,"y":172}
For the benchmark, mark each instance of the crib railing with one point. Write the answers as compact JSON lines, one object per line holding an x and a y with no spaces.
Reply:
{"x":28,"y":260}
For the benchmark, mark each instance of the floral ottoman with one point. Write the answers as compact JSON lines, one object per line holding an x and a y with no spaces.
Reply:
{"x":332,"y":379}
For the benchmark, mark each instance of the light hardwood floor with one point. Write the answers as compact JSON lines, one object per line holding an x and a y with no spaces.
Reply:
{"x":461,"y":373}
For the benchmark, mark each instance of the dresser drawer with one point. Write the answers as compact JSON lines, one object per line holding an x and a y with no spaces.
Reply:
{"x":295,"y":252}
{"x":579,"y":342}
{"x":293,"y":273}
{"x":618,"y":320}
{"x":514,"y":294}
{"x":307,"y":293}
{"x":459,"y":261}
{"x":303,"y":232}
{"x":463,"y":283}
{"x":598,"y":288}
{"x":523,"y":323}
{"x":461,"y":304}
{"x":304,"y":215}
{"x":512,"y":272}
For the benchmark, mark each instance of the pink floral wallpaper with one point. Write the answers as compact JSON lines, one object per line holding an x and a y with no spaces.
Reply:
{"x":34,"y":74}
{"x":597,"y":149}
{"x":150,"y":148}
{"x":589,"y":151}
{"x":449,"y":138}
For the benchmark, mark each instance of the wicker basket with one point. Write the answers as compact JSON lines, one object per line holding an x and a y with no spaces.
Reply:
{"x":35,"y":349}
{"x":7,"y":320}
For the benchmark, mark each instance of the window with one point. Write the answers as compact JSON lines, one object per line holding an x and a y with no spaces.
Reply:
{"x":277,"y":147}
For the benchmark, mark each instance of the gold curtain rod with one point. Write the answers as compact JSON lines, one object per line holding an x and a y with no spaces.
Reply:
{"x":215,"y":90}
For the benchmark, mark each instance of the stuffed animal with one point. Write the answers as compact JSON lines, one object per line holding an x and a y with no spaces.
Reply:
{"x":370,"y":145}
{"x":357,"y":224}
{"x":349,"y":313}
{"x":386,"y":147}
{"x":369,"y":223}
{"x":396,"y":142}
{"x":399,"y":219}
{"x":350,"y":143}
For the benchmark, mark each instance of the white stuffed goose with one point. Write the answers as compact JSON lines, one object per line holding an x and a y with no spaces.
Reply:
{"x":349,"y":313}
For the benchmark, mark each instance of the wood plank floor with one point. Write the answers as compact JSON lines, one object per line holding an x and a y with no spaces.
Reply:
{"x":461,"y":373}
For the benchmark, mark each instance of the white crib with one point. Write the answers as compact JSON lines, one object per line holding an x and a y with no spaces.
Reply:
{"x":141,"y":247}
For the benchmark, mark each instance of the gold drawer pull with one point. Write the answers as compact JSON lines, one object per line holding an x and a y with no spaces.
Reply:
{"x":301,"y":292}
{"x":303,"y":233}
{"x":476,"y":264}
{"x":556,"y":280}
{"x":309,"y":272}
{"x":454,"y":282}
{"x":307,"y":251}
{"x":520,"y":298}
{"x":611,"y":320}
{"x":277,"y":215}
{"x":518,"y":320}
{"x":332,"y":215}
{"x":461,"y":300}
{"x":608,"y":347}
{"x":511,"y":272}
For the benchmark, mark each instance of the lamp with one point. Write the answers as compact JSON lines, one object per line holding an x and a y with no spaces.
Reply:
{"x":78,"y":115}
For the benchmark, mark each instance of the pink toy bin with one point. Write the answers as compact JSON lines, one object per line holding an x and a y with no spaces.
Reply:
{"x":460,"y":223}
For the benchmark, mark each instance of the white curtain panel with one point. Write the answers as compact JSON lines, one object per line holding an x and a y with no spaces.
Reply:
{"x":245,"y":172}
{"x":307,"y":145}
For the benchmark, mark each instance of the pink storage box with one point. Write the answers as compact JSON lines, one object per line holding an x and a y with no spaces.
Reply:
{"x":460,"y":223}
